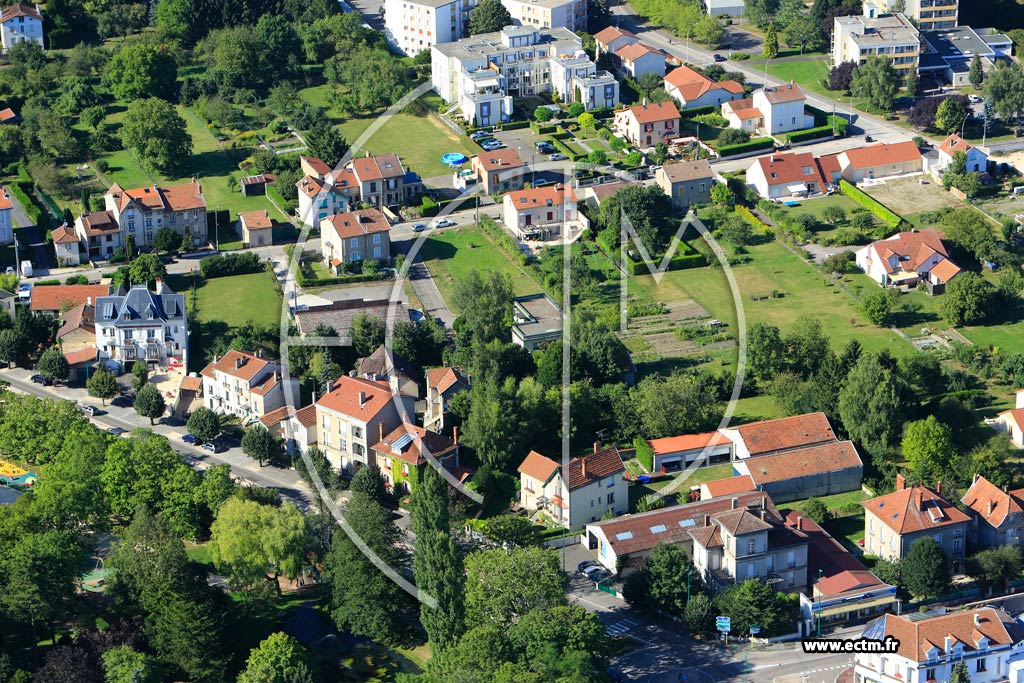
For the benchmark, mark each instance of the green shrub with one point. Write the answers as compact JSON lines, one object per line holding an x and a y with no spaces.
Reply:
{"x":739,"y":56}
{"x":21,"y":192}
{"x":644,"y":453}
{"x":748,"y":216}
{"x":755,"y":145}
{"x":287,"y":206}
{"x":230,"y":264}
{"x":699,"y":111}
{"x":888,"y":216}
{"x":809,"y":134}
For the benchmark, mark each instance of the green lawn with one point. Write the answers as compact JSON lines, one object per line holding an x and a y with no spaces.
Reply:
{"x":835,"y":502}
{"x":816,"y":207}
{"x":808,"y":74}
{"x":238,"y":300}
{"x":694,"y":478}
{"x":773,"y":268}
{"x":453,"y":253}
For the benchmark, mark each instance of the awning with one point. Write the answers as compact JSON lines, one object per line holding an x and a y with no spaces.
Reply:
{"x":796,"y":189}
{"x":902,"y":277}
{"x":852,"y":606}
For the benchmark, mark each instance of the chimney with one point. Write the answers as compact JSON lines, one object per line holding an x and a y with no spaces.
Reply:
{"x":160,"y":288}
{"x":920,"y":500}
{"x":991,"y":506}
{"x":707,"y":520}
{"x":362,"y":397}
{"x":901,"y":482}
{"x":381,"y":430}
{"x":88,"y":301}
{"x":764,"y":515}
{"x":455,"y":435}
{"x":735,"y":503}
{"x":583,"y":467}
{"x":977,"y":619}
{"x":239,"y":362}
{"x":938,"y":487}
{"x":949,"y":644}
{"x":597,"y":445}
{"x":259,"y":352}
{"x":975,"y":480}
{"x":799,"y":522}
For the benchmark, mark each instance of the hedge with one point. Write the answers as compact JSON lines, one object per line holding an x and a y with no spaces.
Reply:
{"x":563,"y":148}
{"x":685,"y":257}
{"x":230,"y":264}
{"x":546,"y":129}
{"x":514,"y":125}
{"x":748,"y":216}
{"x":31,"y":208}
{"x":288,"y":206}
{"x":699,"y":111}
{"x":810,"y":134}
{"x":755,"y":145}
{"x":644,"y":453}
{"x":887,"y":215}
{"x":303,"y":281}
{"x":503,"y":240}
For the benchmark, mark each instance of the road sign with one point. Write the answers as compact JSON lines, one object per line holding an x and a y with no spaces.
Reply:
{"x":723,"y":624}
{"x":754,"y":630}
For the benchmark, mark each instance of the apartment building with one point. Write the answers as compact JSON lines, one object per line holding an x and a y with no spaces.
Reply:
{"x":483,"y":74}
{"x":245,"y":384}
{"x":926,"y":14}
{"x":592,"y":486}
{"x":21,"y":23}
{"x":143,"y":325}
{"x":140,"y":212}
{"x":416,"y":25}
{"x":854,"y":39}
{"x":570,"y":14}
{"x":351,"y":416}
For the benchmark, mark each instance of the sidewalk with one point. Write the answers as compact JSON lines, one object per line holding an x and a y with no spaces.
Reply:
{"x":243,"y":468}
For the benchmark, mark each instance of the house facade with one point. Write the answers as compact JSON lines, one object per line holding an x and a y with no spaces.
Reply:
{"x":883,"y":160}
{"x":401,"y":455}
{"x":257,"y":228}
{"x":611,"y":39}
{"x":1011,"y":423}
{"x":927,"y":14}
{"x":356,"y":236}
{"x":694,"y":89}
{"x":142,"y":325}
{"x":540,"y":213}
{"x":592,"y":486}
{"x":246,"y":385}
{"x":772,"y":110}
{"x":687,"y":183}
{"x":499,"y":171}
{"x":997,"y":516}
{"x":977,"y":159}
{"x":570,"y":14}
{"x":297,"y":428}
{"x":140,"y":212}
{"x":65,"y":247}
{"x":637,"y":59}
{"x":442,"y":385}
{"x":21,"y":23}
{"x":413,"y":26}
{"x":986,"y":640}
{"x":352,"y":413}
{"x":323,"y":192}
{"x":383,"y":181}
{"x":100,"y":234}
{"x":674,"y":453}
{"x":894,"y":522}
{"x":645,"y":125}
{"x":575,"y":77}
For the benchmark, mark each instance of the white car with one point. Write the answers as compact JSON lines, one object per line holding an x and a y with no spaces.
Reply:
{"x":974,"y":98}
{"x":444,"y":223}
{"x":557,"y":157}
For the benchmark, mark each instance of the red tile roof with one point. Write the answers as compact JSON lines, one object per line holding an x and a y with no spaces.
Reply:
{"x":945,"y":270}
{"x":744,"y":109}
{"x":344,"y":397}
{"x":841,"y":572}
{"x":657,"y":111}
{"x":787,"y":432}
{"x":607,"y":35}
{"x":954,"y":143}
{"x":916,"y":637}
{"x":240,"y":364}
{"x":174,"y":198}
{"x":913,"y":247}
{"x":357,"y":223}
{"x":377,"y":168}
{"x":5,"y":199}
{"x":190,"y":383}
{"x":81,"y":356}
{"x":729,"y":486}
{"x":443,"y":379}
{"x":686,"y":442}
{"x":791,"y":169}
{"x":316,"y":164}
{"x":56,"y":297}
{"x":551,"y":195}
{"x":256,"y":220}
{"x":990,"y":502}
{"x":499,"y":159}
{"x":635,"y":51}
{"x":692,"y":85}
{"x":803,"y":462}
{"x":883,"y":154}
{"x":7,"y":115}
{"x":20,"y":10}
{"x":914,"y":508}
{"x":594,"y":467}
{"x":61,"y":235}
{"x":537,"y":466}
{"x":437,"y":445}
{"x":790,"y":92}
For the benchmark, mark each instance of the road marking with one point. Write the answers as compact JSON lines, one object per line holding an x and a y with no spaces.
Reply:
{"x":621,"y":628}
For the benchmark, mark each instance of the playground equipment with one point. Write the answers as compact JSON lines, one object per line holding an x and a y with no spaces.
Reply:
{"x":16,"y":477}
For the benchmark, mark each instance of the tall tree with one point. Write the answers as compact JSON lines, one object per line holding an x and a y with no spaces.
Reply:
{"x":976,"y":74}
{"x":259,"y":543}
{"x":367,"y":333}
{"x":967,"y":299}
{"x":1006,"y":88}
{"x":260,"y":445}
{"x":204,"y":424}
{"x":53,"y":365}
{"x":154,"y":131}
{"x":530,"y":578}
{"x":368,"y":481}
{"x":753,"y":603}
{"x":149,"y":403}
{"x":928,"y":446}
{"x":925,"y":569}
{"x":437,"y":563}
{"x":278,"y":659}
{"x":871,"y":405}
{"x":878,"y":80}
{"x":40,"y":574}
{"x":771,"y":43}
{"x":950,"y":115}
{"x":141,"y":70}
{"x":910,"y":83}
{"x":122,"y":664}
{"x":484,"y":303}
{"x":489,"y":16}
{"x":103,"y":385}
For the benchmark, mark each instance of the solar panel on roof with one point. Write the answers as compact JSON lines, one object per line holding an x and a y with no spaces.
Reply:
{"x":402,"y":441}
{"x":624,"y":536}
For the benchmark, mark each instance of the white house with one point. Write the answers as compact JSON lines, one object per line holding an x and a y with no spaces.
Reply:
{"x":793,"y":174}
{"x":645,"y":125}
{"x":693,"y":89}
{"x":977,"y":160}
{"x":987,"y":640}
{"x":907,"y":258}
{"x":1011,"y":422}
{"x":6,"y":217}
{"x":773,"y":110}
{"x":99,"y":234}
{"x":637,"y":59}
{"x":246,"y":385}
{"x":593,"y":486}
{"x":733,"y":8}
{"x":541,"y":212}
{"x":143,"y":325}
{"x":21,"y":23}
{"x":65,"y":247}
{"x":611,"y":39}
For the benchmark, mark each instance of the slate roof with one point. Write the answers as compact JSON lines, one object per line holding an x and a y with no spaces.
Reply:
{"x":140,"y":308}
{"x":377,"y":363}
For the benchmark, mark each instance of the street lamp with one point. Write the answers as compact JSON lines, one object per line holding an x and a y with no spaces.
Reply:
{"x":964,"y":123}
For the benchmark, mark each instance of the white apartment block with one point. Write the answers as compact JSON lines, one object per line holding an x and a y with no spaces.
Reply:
{"x":854,"y":39}
{"x":21,"y":23}
{"x":927,"y":14}
{"x":245,"y":384}
{"x":142,"y":325}
{"x":483,"y":74}
{"x":570,"y":14}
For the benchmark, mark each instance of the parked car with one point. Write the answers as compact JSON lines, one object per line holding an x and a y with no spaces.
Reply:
{"x":492,"y":145}
{"x":419,"y":227}
{"x":544,"y":145}
{"x":24,"y":291}
{"x":44,"y":381}
{"x":719,"y":58}
{"x":585,"y":566}
{"x":9,"y":270}
{"x":974,"y":98}
{"x":557,"y":156}
{"x":88,"y":410}
{"x":599,"y":575}
{"x":212,"y":447}
{"x":444,"y":223}
{"x":190,"y":439}
{"x":123,"y":402}
{"x":116,"y":431}
{"x":479,"y":135}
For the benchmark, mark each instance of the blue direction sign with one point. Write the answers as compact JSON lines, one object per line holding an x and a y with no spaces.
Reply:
{"x":723,"y":624}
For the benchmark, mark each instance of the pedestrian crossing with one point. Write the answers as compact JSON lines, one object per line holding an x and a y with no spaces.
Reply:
{"x":622,"y":627}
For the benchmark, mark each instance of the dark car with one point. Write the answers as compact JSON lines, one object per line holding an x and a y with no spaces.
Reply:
{"x":599,"y":576}
{"x":719,"y":58}
{"x":123,"y":402}
{"x":116,"y":431}
{"x":419,"y":227}
{"x":190,"y":439}
{"x":585,"y":565}
{"x":44,"y":381}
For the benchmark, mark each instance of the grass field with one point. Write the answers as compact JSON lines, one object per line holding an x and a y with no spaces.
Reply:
{"x":233,"y":301}
{"x":452,"y":254}
{"x":808,"y":74}
{"x":773,"y":268}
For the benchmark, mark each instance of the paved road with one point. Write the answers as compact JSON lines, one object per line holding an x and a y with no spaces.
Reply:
{"x":287,"y":481}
